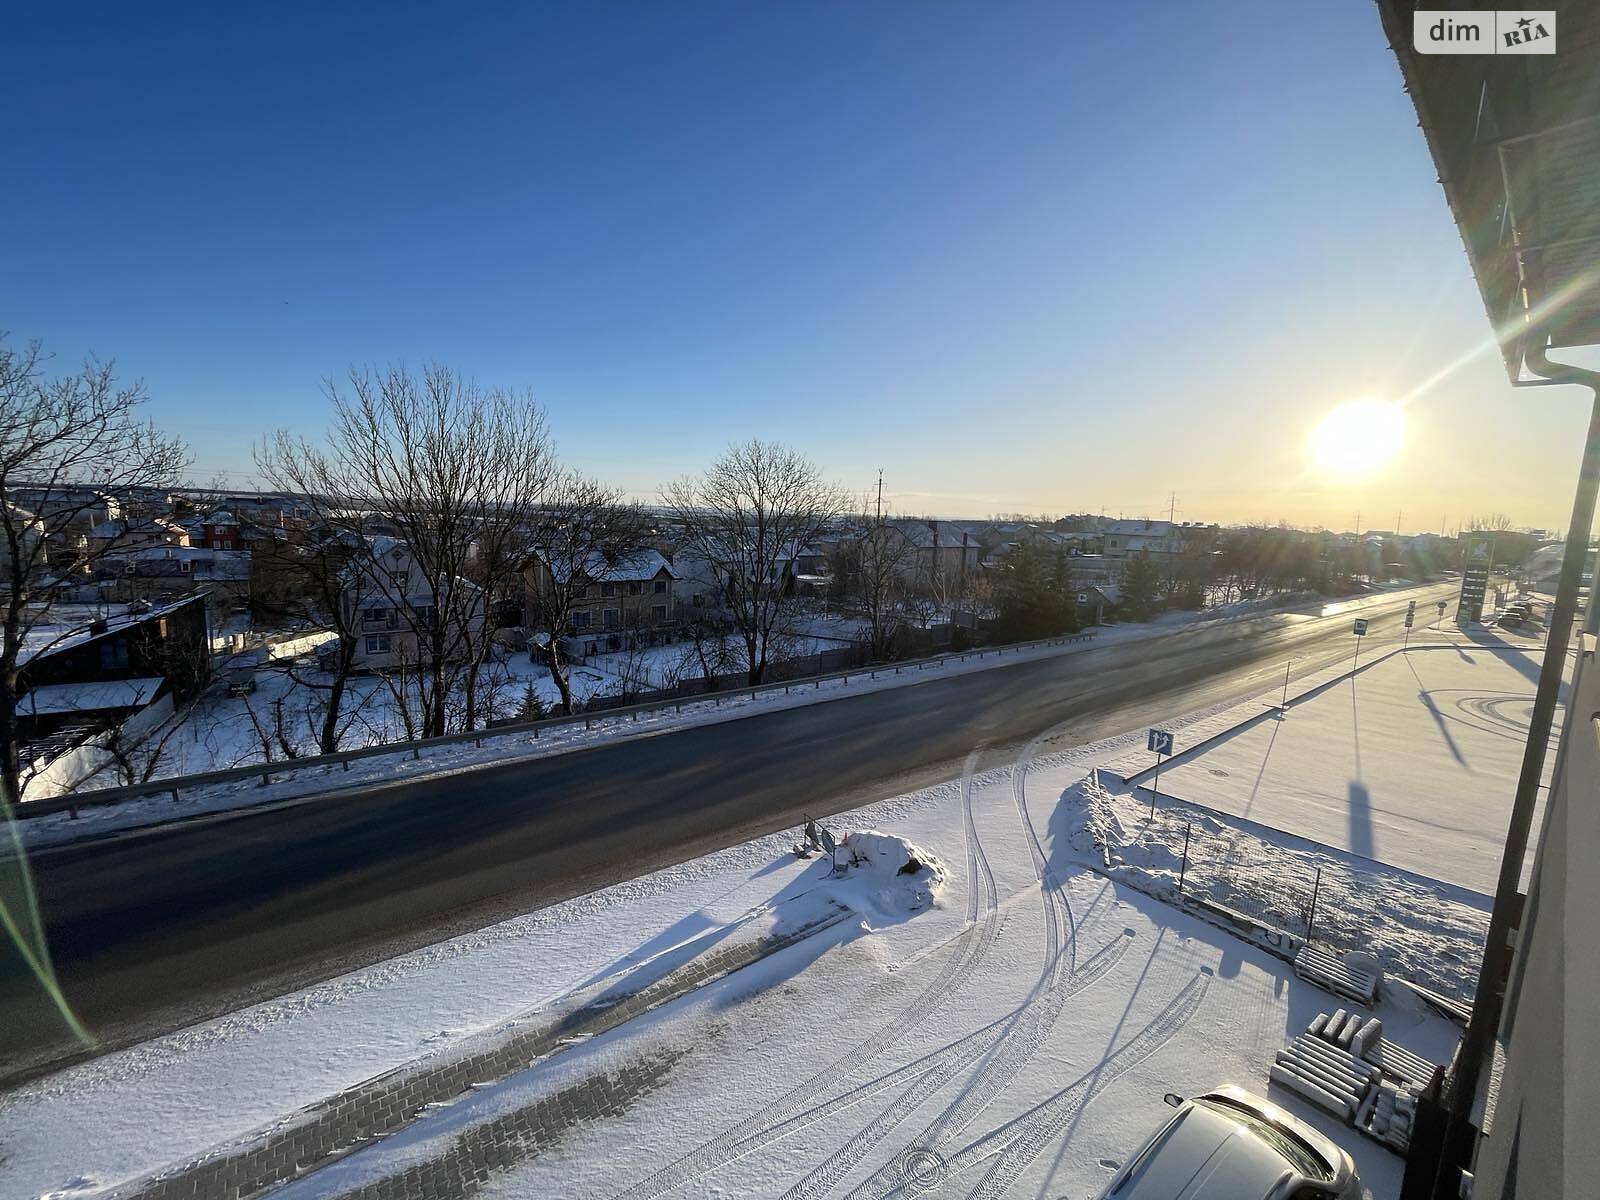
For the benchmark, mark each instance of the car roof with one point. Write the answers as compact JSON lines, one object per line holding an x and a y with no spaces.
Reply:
{"x":1202,"y":1155}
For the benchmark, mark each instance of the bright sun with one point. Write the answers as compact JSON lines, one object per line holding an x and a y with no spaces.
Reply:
{"x":1357,"y":438}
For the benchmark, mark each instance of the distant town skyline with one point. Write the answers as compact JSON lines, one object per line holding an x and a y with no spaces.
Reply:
{"x":1014,"y":263}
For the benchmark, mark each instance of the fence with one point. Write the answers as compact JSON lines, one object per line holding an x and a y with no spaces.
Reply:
{"x":326,"y":764}
{"x":1425,"y":931}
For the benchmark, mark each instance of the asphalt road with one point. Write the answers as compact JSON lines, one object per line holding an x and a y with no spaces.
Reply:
{"x":160,"y":928}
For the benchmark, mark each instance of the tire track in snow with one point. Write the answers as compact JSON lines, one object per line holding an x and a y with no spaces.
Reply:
{"x":758,"y":1130}
{"x":1019,"y":1141}
{"x":927,"y":1076}
{"x":1043,"y":1124}
{"x":1026,"y":1031}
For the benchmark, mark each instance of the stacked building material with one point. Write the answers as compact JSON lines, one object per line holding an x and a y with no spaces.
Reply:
{"x":1344,"y":1066}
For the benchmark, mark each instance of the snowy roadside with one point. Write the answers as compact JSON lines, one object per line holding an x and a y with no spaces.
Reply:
{"x":299,"y":784}
{"x":1421,"y":929}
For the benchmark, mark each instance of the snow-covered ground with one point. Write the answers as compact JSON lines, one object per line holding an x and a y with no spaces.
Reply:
{"x":1413,"y":762}
{"x":1009,"y":1031}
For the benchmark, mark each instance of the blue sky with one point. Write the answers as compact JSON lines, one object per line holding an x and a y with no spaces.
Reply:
{"x":1023,"y":257}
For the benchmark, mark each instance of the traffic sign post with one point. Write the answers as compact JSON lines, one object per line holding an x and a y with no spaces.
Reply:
{"x":831,"y":846}
{"x":1360,"y":631}
{"x":1159,"y":742}
{"x":1411,"y":616}
{"x":1443,"y":604}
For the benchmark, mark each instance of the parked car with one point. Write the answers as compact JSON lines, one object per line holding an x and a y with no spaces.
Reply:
{"x":1231,"y":1145}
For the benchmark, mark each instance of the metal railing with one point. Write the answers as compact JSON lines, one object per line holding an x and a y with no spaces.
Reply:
{"x":262,"y":774}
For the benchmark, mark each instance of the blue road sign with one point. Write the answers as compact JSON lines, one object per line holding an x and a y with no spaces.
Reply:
{"x":1160,"y":741}
{"x":1361,"y":626}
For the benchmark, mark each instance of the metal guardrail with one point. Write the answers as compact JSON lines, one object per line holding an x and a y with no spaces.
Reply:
{"x":264,"y":773}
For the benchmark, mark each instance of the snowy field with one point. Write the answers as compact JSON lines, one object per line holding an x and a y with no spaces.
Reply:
{"x":1413,"y":763}
{"x":1013,"y":1038}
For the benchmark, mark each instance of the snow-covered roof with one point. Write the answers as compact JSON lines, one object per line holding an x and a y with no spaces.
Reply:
{"x":121,"y":528}
{"x":95,"y":695}
{"x":638,"y":564}
{"x":1158,"y":529}
{"x":49,"y":639}
{"x":213,"y":564}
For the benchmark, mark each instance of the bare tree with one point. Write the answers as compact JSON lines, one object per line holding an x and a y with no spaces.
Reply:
{"x":705,"y":654}
{"x":749,"y":516}
{"x":878,"y":563}
{"x":584,"y":529}
{"x":315,"y":573}
{"x":54,"y":434}
{"x":460,"y":473}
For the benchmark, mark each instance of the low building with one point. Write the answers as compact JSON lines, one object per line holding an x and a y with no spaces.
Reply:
{"x":1095,"y":602}
{"x":115,"y":666}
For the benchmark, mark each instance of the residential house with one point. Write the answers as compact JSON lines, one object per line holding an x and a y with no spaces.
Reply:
{"x":158,"y":573}
{"x":29,"y":532}
{"x":695,"y":583}
{"x":132,"y":533}
{"x":220,"y":530}
{"x":943,"y":552}
{"x":393,"y":607}
{"x":614,"y":604}
{"x":88,"y":506}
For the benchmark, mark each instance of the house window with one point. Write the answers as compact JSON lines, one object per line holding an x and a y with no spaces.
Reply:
{"x":424,"y":613}
{"x":698,"y":600}
{"x":186,"y":566}
{"x":610,"y":617}
{"x":635,"y":588}
{"x":659,"y":612}
{"x":581,"y":593}
{"x":661,"y":587}
{"x":378,"y":644}
{"x":113,"y":654}
{"x":608,"y":589}
{"x":581,"y":620}
{"x":374,"y":615}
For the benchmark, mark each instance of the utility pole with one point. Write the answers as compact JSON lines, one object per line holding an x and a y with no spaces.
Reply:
{"x":1172,"y":508}
{"x":1397,"y":516}
{"x":1358,"y":522}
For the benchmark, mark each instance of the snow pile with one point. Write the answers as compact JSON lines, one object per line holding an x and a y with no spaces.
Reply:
{"x":885,"y":878}
{"x":1421,"y":929}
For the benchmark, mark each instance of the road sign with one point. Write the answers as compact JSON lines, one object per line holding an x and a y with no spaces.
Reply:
{"x":1361,"y":627}
{"x":1477,"y":561}
{"x":1410,"y":618}
{"x":1443,"y":604}
{"x":1159,"y":741}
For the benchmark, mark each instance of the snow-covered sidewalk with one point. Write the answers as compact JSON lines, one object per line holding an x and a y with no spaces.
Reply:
{"x":1412,"y":762}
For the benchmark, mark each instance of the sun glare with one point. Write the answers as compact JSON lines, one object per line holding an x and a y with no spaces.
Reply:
{"x":1357,"y":438}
